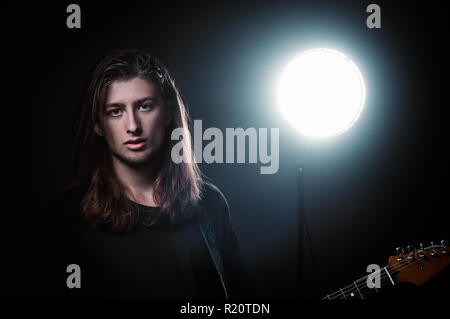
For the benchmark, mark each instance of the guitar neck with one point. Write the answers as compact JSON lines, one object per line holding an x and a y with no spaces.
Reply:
{"x":417,"y":267}
{"x":366,"y":286}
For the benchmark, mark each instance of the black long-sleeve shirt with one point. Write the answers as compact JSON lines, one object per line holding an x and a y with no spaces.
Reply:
{"x":146,"y":262}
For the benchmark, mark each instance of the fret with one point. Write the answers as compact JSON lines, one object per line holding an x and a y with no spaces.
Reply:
{"x":358,"y":290}
{"x":367,"y":291}
{"x":389,"y":275}
{"x":343,"y":293}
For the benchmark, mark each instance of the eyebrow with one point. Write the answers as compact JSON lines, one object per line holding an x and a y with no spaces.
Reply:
{"x":147,"y":98}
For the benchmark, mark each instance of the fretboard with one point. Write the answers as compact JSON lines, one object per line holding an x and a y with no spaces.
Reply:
{"x":361,"y":289}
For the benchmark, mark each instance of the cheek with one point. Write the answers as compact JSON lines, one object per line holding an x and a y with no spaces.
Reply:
{"x":160,"y":133}
{"x":112,"y":137}
{"x":157,"y":131}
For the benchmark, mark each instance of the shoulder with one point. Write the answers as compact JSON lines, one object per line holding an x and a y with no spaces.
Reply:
{"x":215,"y":205}
{"x":212,"y":198}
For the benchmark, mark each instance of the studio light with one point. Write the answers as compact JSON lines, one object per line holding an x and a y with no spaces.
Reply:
{"x":321,"y":92}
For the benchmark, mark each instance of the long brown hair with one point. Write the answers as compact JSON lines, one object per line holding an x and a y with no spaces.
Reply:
{"x":177,"y":187}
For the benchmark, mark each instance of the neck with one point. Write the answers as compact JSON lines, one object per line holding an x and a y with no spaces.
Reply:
{"x":361,"y":290}
{"x":138,"y":181}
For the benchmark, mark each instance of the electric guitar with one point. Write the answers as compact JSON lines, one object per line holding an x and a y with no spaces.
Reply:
{"x":415,"y":266}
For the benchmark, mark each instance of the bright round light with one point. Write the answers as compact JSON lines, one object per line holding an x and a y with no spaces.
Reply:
{"x":321,"y":92}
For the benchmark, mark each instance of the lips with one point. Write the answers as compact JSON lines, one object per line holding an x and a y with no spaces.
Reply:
{"x":136,"y":144}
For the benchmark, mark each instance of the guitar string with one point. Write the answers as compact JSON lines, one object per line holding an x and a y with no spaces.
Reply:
{"x":351,"y":287}
{"x":356,"y":284}
{"x":395,"y":267}
{"x":352,"y":294}
{"x":341,"y":292}
{"x":362,"y":282}
{"x":383,"y":276}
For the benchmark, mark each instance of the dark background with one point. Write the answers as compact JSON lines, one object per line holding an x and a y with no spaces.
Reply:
{"x":380,"y":185}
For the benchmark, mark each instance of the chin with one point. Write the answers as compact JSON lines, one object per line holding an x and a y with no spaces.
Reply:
{"x":135,"y":159}
{"x":141,"y":158}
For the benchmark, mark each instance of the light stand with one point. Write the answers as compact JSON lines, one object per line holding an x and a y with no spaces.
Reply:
{"x":301,"y":224}
{"x":322,"y":93}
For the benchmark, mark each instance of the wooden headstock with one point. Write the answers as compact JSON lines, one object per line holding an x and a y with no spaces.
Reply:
{"x":418,"y":266}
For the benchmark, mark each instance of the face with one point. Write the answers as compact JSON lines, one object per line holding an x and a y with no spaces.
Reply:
{"x":134,"y":121}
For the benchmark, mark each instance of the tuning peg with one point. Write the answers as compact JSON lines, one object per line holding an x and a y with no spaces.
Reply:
{"x":432,"y":243}
{"x":400,"y":250}
{"x":444,"y":246}
{"x":410,"y":248}
{"x":421,"y":254}
{"x":421,"y":246}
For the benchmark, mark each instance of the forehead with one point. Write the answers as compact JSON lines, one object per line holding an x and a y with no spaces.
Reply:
{"x":123,"y":91}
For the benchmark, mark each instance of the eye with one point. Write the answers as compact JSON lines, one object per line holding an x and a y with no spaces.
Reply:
{"x":115,"y":112}
{"x":146,"y":107}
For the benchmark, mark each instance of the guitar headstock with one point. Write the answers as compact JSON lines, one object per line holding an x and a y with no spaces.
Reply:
{"x":417,"y":266}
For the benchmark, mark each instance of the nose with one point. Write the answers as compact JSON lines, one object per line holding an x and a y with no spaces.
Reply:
{"x":133,"y":124}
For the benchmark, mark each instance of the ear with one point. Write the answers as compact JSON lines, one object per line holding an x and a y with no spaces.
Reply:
{"x":98,"y":130}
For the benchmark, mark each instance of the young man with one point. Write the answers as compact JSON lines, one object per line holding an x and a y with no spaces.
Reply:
{"x":134,"y":224}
